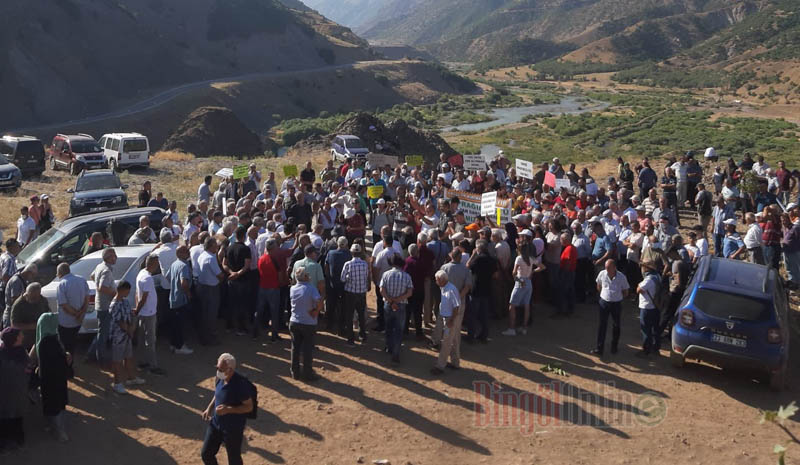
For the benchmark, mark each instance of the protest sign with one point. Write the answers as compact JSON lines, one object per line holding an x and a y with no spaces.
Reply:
{"x":375,"y":192}
{"x":470,"y":204}
{"x":224,"y":173}
{"x":474,"y":162}
{"x":290,"y":170}
{"x":524,"y":169}
{"x":488,"y":203}
{"x":414,"y":160}
{"x":591,"y":189}
{"x":549,"y":179}
{"x":240,"y":172}
{"x":379,"y":160}
{"x":562,"y":184}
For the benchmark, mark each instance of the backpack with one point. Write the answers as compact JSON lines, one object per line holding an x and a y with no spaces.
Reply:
{"x":253,"y":414}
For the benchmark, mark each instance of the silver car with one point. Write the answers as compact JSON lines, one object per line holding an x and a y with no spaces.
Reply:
{"x":130,"y":260}
{"x":10,"y":175}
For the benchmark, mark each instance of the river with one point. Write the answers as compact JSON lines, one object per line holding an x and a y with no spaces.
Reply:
{"x":567,"y":106}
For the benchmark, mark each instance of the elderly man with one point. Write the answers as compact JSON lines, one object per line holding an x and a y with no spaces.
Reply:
{"x":180,"y":279}
{"x":301,"y":211}
{"x":72,"y":297}
{"x":753,"y":240}
{"x":306,"y":304}
{"x":204,"y":191}
{"x":418,"y":272}
{"x":336,"y":298}
{"x":166,"y":253}
{"x":396,"y":288}
{"x":15,"y":287}
{"x":146,"y":313}
{"x":144,"y":227}
{"x":227,"y":412}
{"x":237,"y":264}
{"x":269,"y":292}
{"x":105,"y":290}
{"x":94,"y":244}
{"x":613,"y":288}
{"x":355,"y":277}
{"x":209,"y":277}
{"x":449,"y":309}
{"x":26,"y":311}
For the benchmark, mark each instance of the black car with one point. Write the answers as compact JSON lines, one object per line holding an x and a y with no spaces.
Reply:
{"x":26,"y":152}
{"x":66,"y":241}
{"x":97,"y":191}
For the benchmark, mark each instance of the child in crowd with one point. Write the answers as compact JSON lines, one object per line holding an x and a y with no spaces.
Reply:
{"x":122,"y":330}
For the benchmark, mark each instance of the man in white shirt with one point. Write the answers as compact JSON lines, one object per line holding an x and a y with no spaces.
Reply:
{"x":613,"y":288}
{"x":680,"y":167}
{"x":26,"y":228}
{"x":460,"y":183}
{"x":760,"y":167}
{"x":648,"y":313}
{"x":146,"y":313}
{"x":204,"y":191}
{"x":449,"y":307}
{"x":753,"y":240}
{"x":354,"y":173}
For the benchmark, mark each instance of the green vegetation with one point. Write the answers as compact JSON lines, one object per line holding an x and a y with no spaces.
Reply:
{"x":652,"y":74}
{"x":522,"y":52}
{"x":557,"y":70}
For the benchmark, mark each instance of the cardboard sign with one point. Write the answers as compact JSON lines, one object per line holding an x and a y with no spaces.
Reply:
{"x":240,"y":172}
{"x":562,"y":184}
{"x":524,"y":169}
{"x":488,"y":203}
{"x":290,"y":170}
{"x":591,"y":189}
{"x":224,"y":173}
{"x":455,"y":160}
{"x":378,"y":160}
{"x":414,"y":160}
{"x":374,"y":192}
{"x":549,"y":179}
{"x":470,"y":204}
{"x":474,"y":162}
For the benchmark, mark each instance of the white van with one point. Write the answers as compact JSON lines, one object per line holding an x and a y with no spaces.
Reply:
{"x":123,"y":150}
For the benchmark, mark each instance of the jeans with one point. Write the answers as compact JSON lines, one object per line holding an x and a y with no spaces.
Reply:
{"x":302,"y":345}
{"x":354,"y":303}
{"x":176,"y":325}
{"x":772,"y":256}
{"x":334,"y":309}
{"x":99,"y":347}
{"x":209,"y":305}
{"x":381,"y":324}
{"x":793,"y":266}
{"x":215,"y":438}
{"x":566,"y":301}
{"x":268,"y":298}
{"x":607,"y":309}
{"x":415,"y":303}
{"x":394,"y":327}
{"x":651,"y":336}
{"x":147,"y":324}
{"x":718,"y":239}
{"x":479,"y":316}
{"x":68,"y":337}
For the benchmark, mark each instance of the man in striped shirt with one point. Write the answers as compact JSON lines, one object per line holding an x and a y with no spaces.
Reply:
{"x":355,"y":276}
{"x":396,"y":288}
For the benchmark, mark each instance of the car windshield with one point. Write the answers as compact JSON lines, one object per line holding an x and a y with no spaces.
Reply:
{"x":43,"y":242}
{"x":30,"y":147}
{"x":135,"y":145}
{"x":354,"y":144}
{"x":85,"y":266}
{"x":85,"y":146}
{"x":91,"y":183}
{"x":730,"y":306}
{"x":3,"y":161}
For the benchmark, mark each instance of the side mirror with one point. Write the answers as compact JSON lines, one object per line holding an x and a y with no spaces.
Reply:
{"x":124,"y":186}
{"x":70,"y":190}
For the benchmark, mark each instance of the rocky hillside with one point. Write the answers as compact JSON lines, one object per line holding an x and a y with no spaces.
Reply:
{"x":210,"y":131}
{"x":67,"y":59}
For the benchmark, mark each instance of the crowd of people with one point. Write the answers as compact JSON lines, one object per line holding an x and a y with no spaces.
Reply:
{"x":296,"y":257}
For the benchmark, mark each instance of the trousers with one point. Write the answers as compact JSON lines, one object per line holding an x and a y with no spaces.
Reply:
{"x":354,"y":303}
{"x":147,"y":325}
{"x":612,"y":309}
{"x":302,"y":347}
{"x":451,"y":339}
{"x":215,"y":438}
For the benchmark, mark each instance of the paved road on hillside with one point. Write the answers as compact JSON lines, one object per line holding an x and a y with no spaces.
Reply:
{"x":169,"y":94}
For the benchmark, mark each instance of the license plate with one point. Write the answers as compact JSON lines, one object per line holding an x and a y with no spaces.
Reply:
{"x":731,"y":341}
{"x":95,"y":209}
{"x":133,"y":156}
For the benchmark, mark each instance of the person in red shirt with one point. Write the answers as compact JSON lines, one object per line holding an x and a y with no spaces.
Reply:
{"x":786,"y":183}
{"x":269,"y":291}
{"x":566,"y":275}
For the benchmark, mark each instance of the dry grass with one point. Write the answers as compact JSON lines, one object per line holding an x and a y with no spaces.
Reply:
{"x":173,"y":156}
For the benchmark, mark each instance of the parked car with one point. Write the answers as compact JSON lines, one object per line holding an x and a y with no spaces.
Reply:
{"x":10,"y":175}
{"x":734,"y":314}
{"x":123,"y":150}
{"x":345,"y":146}
{"x":130,"y":260}
{"x":27,"y":152}
{"x":76,"y":153}
{"x":65,"y":242}
{"x":96,"y":191}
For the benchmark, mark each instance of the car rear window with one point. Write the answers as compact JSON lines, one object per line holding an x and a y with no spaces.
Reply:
{"x":91,"y":183}
{"x":731,"y":306}
{"x":135,"y":145}
{"x":30,"y":147}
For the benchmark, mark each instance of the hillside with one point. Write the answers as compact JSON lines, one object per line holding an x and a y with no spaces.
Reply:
{"x":356,"y":14}
{"x":66,"y":59}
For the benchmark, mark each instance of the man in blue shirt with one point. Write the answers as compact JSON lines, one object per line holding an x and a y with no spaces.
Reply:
{"x":227,"y":413}
{"x":604,"y":247}
{"x":334,"y":263}
{"x":180,"y":276}
{"x":209,"y":276}
{"x":733,"y":245}
{"x":72,"y":296}
{"x":306,"y":305}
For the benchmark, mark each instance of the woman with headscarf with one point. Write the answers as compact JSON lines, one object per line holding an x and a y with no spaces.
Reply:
{"x":13,"y":388}
{"x":54,"y":371}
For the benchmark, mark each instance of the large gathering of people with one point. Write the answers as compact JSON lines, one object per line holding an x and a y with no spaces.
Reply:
{"x":260,"y":258}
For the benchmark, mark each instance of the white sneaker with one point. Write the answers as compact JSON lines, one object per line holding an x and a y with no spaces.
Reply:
{"x":135,"y":382}
{"x":509,"y":332}
{"x":184,"y":351}
{"x":119,"y":388}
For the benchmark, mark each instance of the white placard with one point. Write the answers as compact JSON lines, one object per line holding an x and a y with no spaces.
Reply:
{"x":488,"y":203}
{"x":562,"y":183}
{"x":524,"y":169}
{"x":379,"y":160}
{"x":474,"y":162}
{"x":225,"y":173}
{"x":591,"y":189}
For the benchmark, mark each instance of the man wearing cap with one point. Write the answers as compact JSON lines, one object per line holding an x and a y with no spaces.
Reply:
{"x":335,"y":309}
{"x":753,"y":239}
{"x":355,"y":277}
{"x":732,"y":246}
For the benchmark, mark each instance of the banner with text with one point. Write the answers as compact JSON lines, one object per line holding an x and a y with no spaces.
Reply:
{"x":290,"y":170}
{"x":414,"y":160}
{"x":470,"y":204}
{"x":379,"y":160}
{"x":488,"y":203}
{"x":474,"y":162}
{"x":524,"y":169}
{"x":240,"y":172}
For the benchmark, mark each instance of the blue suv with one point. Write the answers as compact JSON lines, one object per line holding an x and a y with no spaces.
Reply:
{"x":734,"y":314}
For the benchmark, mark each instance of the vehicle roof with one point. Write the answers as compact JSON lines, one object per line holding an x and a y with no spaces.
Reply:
{"x":124,"y":134}
{"x":72,"y":223}
{"x":349,"y":136}
{"x":72,"y":137}
{"x":19,"y":138}
{"x":98,"y":173}
{"x":134,"y":251}
{"x":737,"y":277}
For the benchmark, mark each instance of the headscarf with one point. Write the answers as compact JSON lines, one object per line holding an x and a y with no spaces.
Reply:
{"x":7,"y":349}
{"x":46,"y":326}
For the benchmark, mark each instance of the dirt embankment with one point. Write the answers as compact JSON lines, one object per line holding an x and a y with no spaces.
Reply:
{"x":214,"y":131}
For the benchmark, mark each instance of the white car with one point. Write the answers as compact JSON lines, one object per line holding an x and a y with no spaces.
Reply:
{"x":130,"y":259}
{"x":123,"y":150}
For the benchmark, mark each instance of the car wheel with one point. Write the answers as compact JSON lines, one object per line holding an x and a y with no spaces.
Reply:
{"x":53,"y":164}
{"x":676,"y":359}
{"x":74,"y":169}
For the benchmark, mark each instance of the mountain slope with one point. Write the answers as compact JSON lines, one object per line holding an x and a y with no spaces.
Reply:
{"x":64,"y":59}
{"x":352,"y":13}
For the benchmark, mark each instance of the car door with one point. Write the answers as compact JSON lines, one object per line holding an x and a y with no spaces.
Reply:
{"x":58,"y":147}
